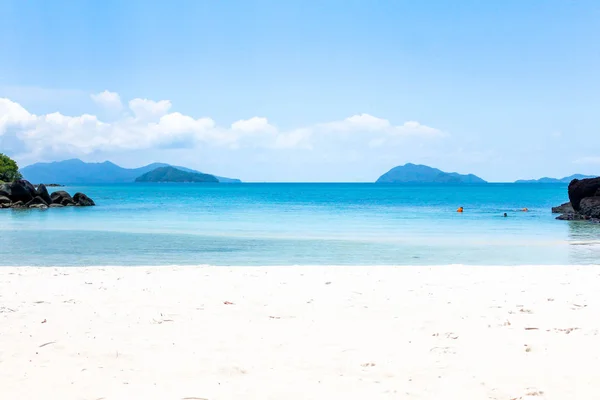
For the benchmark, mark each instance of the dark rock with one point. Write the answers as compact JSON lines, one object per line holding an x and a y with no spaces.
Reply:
{"x":18,"y":204}
{"x":571,"y":217}
{"x":54,"y":185}
{"x":563,"y":209}
{"x":42,"y":192}
{"x":20,"y":190}
{"x":82,"y":200}
{"x":62,"y":197}
{"x":590,"y":207}
{"x":22,"y":194}
{"x":580,"y":189}
{"x":5,"y":190}
{"x":27,"y":184}
{"x":36,"y":203}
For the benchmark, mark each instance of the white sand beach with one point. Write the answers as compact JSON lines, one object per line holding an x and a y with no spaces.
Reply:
{"x":217,"y":333}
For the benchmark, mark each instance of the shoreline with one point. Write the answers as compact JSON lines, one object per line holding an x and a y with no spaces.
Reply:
{"x":300,"y":332}
{"x":296,"y":266}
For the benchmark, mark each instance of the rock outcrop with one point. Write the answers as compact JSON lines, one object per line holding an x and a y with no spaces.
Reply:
{"x":82,"y":200}
{"x":4,"y":202}
{"x":572,"y":216}
{"x":42,"y":192}
{"x":18,"y":204}
{"x":590,"y":207}
{"x":585,"y":201}
{"x":62,"y":197}
{"x":563,"y":209}
{"x":580,"y":189}
{"x":22,"y":194}
{"x":18,"y":191}
{"x":37,"y":202}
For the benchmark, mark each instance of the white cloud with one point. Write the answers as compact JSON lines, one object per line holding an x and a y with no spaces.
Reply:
{"x":253,"y":125}
{"x":179,"y":123}
{"x":148,"y":109}
{"x":416,"y":129}
{"x":369,"y":123}
{"x":151,"y":125}
{"x":298,"y":138}
{"x":109,"y":100}
{"x":12,"y":113}
{"x":358,"y":122}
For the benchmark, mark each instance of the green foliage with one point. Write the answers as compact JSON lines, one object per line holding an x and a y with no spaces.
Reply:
{"x":9,"y":170}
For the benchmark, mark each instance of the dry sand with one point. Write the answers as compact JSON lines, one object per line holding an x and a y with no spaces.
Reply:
{"x":364,"y":333}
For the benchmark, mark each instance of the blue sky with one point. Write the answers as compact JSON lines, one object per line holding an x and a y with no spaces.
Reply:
{"x":320,"y":90}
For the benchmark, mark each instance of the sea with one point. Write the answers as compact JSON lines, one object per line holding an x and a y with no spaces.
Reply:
{"x":301,"y":224}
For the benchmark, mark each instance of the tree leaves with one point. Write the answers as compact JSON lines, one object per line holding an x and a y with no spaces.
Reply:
{"x":9,"y":170}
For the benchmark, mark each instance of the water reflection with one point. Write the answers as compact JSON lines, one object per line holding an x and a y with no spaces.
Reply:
{"x":584,"y":242}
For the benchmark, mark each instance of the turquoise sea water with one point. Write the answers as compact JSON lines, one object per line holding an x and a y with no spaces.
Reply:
{"x":306,"y":224}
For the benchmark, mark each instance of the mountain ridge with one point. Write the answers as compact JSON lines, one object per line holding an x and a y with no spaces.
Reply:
{"x":173,"y":174}
{"x":76,"y":171}
{"x":418,"y":173}
{"x":566,"y":179}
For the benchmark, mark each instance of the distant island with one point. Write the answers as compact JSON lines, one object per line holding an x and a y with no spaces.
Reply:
{"x":75,"y":171}
{"x":412,"y":173}
{"x":566,"y":179}
{"x":172,"y":174}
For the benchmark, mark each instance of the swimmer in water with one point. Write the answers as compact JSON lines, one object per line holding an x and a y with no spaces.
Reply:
{"x":525,"y":209}
{"x":460,"y":209}
{"x":505,"y":215}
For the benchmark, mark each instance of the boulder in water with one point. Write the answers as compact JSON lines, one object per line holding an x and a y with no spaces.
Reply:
{"x":573,"y":216}
{"x":20,"y":190}
{"x":563,"y":209}
{"x":590,"y":207}
{"x":62,"y":197}
{"x":42,"y":192}
{"x":82,"y":200}
{"x":40,"y":206}
{"x":580,"y":189}
{"x":18,"y":204}
{"x":22,"y":194}
{"x":37,"y":202}
{"x":4,"y":190}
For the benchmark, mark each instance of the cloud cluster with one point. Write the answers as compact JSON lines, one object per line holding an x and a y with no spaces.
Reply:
{"x":109,"y":100}
{"x":148,"y":124}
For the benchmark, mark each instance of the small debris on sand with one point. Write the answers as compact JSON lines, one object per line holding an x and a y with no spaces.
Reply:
{"x":370,"y":364}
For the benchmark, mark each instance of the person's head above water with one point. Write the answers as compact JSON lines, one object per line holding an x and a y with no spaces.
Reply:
{"x":505,"y":214}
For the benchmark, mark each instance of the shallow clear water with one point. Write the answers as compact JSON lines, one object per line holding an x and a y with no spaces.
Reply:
{"x":289,"y":224}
